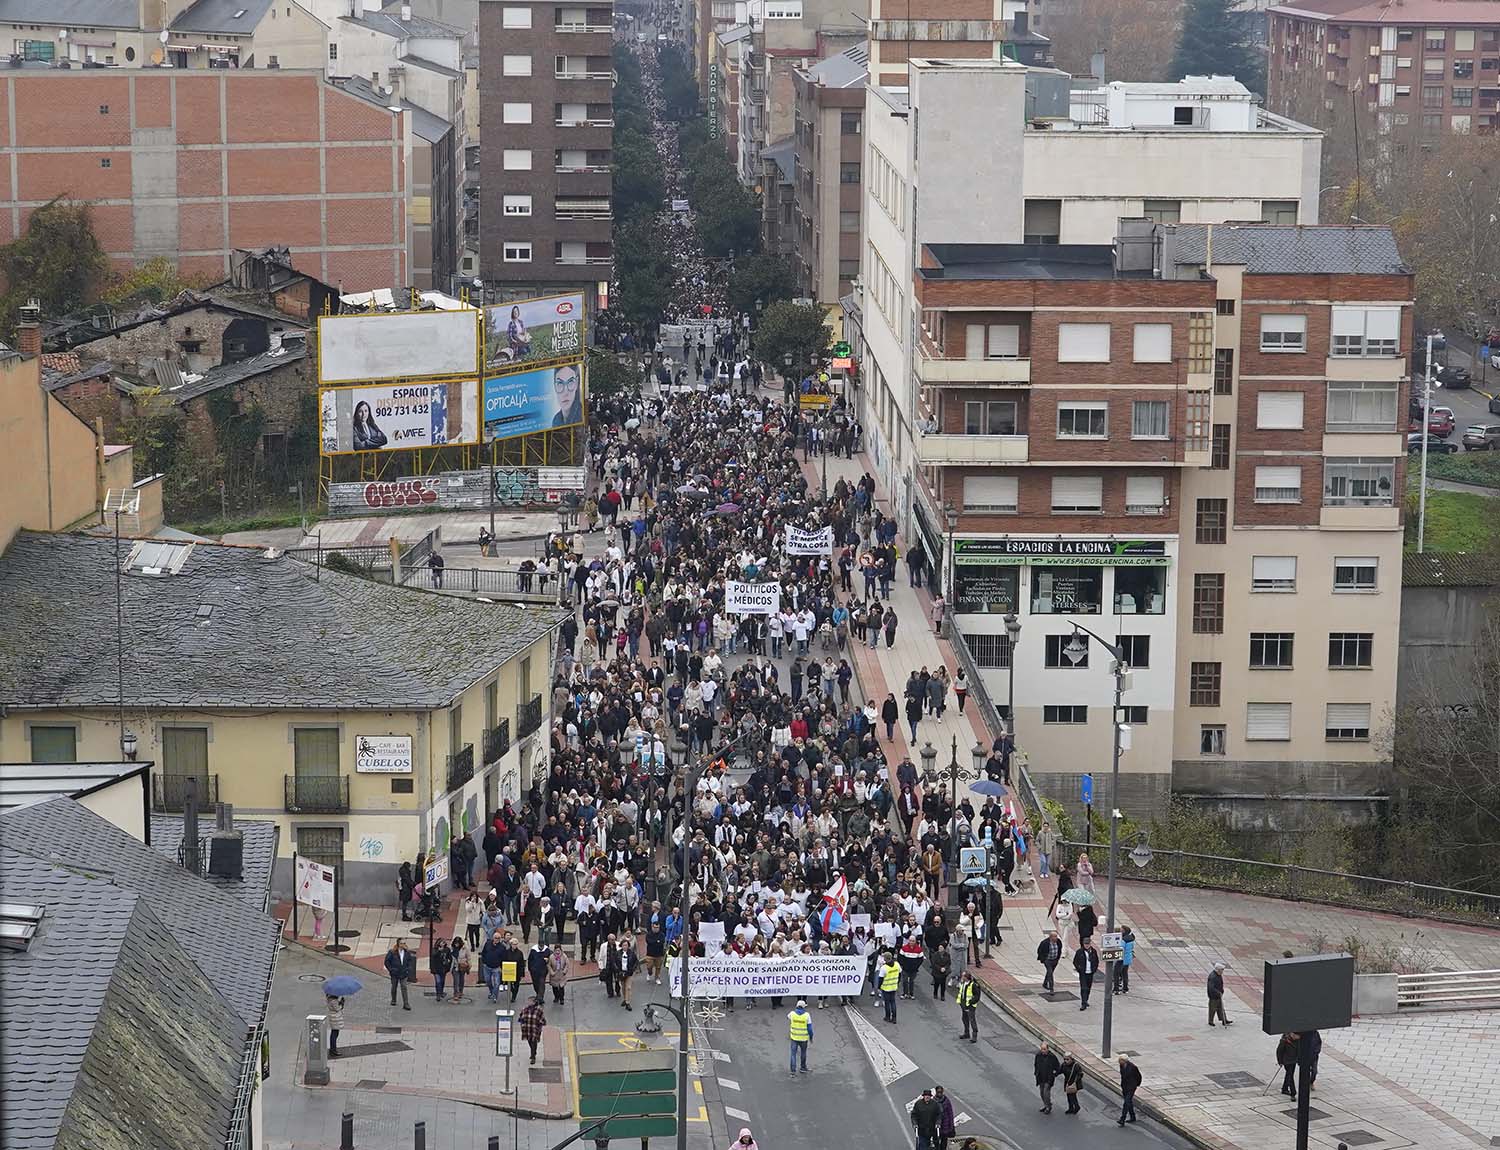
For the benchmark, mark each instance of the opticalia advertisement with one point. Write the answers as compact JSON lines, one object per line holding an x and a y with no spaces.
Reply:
{"x":533,"y":331}
{"x":530,"y":401}
{"x":398,"y":416}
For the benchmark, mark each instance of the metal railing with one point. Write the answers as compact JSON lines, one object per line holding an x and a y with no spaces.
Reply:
{"x":461,"y":766}
{"x":496,"y":742}
{"x":317,"y":794}
{"x":528,"y":716}
{"x":529,"y":586}
{"x":365,"y":555}
{"x":415,"y":556}
{"x":169,"y":792}
{"x":1310,"y":884}
{"x":1448,"y":990}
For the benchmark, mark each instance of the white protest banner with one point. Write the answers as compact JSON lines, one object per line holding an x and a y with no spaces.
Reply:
{"x":859,"y":920}
{"x":752,"y":598}
{"x":711,"y":934}
{"x":799,"y":542}
{"x":800,"y":976}
{"x":314,"y":884}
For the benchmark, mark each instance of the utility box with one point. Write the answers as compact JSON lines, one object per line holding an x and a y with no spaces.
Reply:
{"x":1314,"y":992}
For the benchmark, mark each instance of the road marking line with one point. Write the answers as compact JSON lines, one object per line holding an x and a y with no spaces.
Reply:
{"x":729,"y":1084}
{"x":733,"y":1113}
{"x":889,"y":1063}
{"x":720,"y":1056}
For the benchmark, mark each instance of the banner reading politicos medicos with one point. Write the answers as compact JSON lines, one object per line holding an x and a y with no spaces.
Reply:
{"x":752,"y":598}
{"x":800,"y":976}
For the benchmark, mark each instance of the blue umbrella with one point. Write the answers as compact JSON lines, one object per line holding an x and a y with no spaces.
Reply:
{"x":988,"y":787}
{"x":342,"y":985}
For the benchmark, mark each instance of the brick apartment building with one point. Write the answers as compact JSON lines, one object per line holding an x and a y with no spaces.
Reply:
{"x":547,"y":105}
{"x":1421,"y":69}
{"x":192,"y":167}
{"x":829,"y":167}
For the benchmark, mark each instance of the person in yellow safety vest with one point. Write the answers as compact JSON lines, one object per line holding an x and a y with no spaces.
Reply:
{"x":968,"y":1003}
{"x":888,"y":978}
{"x":801,"y":1033}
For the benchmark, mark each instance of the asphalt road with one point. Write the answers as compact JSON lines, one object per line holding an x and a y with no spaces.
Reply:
{"x":864,"y":1074}
{"x":1470,"y":405}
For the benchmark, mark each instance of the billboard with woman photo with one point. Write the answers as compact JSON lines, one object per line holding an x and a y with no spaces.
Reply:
{"x":533,"y":331}
{"x":397,"y":417}
{"x":531,"y":401}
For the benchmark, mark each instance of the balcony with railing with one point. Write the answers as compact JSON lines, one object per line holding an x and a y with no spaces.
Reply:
{"x":169,"y":792}
{"x":958,"y":348}
{"x":461,"y":766}
{"x":937,"y":448}
{"x":317,"y":794}
{"x":528,"y":716}
{"x":496,"y":742}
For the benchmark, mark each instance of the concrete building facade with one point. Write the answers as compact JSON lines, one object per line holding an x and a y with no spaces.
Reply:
{"x":547,"y":106}
{"x":191,"y":167}
{"x":829,"y":169}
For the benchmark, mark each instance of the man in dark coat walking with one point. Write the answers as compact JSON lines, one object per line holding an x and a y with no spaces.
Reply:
{"x":926,"y":1114}
{"x":1086,"y":963}
{"x":1047,"y":1068}
{"x":1130,"y":1082}
{"x":1216,"y":995}
{"x":1049,"y":954}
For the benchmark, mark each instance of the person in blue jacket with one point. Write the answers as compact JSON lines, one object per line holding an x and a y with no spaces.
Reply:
{"x":1122,"y":967}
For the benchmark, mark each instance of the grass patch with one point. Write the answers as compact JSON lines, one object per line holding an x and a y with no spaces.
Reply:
{"x":265,"y":521}
{"x":1456,"y":521}
{"x":1478,"y":467}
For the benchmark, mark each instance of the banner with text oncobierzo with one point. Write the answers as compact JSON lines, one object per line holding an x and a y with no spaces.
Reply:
{"x":799,"y":542}
{"x":752,"y":598}
{"x":801,"y":976}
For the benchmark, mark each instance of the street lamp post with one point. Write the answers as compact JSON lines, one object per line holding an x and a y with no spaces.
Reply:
{"x":1013,"y":629}
{"x":952,"y":774}
{"x":1076,"y":650}
{"x":950,"y":513}
{"x":786,"y":379}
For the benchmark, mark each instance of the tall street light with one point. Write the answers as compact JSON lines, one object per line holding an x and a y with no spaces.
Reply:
{"x":1013,"y":629}
{"x":1076,"y":651}
{"x":950,"y":513}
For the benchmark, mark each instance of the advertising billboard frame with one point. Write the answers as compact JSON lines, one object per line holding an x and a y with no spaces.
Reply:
{"x":493,"y":368}
{"x":468,"y":389}
{"x":580,"y":364}
{"x":356,"y":356}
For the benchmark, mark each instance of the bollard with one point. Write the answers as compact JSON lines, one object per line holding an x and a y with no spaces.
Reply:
{"x":420,"y":1136}
{"x":346,"y":1133}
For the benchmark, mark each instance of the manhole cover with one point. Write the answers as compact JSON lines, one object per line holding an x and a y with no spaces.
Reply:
{"x":311,"y":977}
{"x":370,"y":1084}
{"x":372,"y":1048}
{"x":348,"y":934}
{"x":387,"y":1030}
{"x":1235,"y":1080}
{"x":546,"y":1073}
{"x":1359,"y":1137}
{"x":1312,"y":1115}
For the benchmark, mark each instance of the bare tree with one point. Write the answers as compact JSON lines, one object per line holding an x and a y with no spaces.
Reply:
{"x":1138,"y":37}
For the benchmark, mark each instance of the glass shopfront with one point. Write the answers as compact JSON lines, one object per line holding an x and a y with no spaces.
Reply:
{"x":1140,"y":590}
{"x":1067,"y":590}
{"x":986,"y":590}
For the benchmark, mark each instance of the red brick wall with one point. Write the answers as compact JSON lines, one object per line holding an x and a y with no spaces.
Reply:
{"x":272,"y":108}
{"x":296,"y":223}
{"x":200,"y":173}
{"x":360,"y":222}
{"x":274,"y":172}
{"x":360,"y":170}
{"x":153,"y":101}
{"x":1119,"y":447}
{"x":198,"y":109}
{"x":200,"y":227}
{"x":1121,"y":370}
{"x":52,"y":115}
{"x":45,"y":175}
{"x":1034,"y":503}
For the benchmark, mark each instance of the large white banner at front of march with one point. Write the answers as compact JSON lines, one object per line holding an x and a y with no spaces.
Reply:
{"x":752,"y":598}
{"x":799,"y":542}
{"x":800,"y":976}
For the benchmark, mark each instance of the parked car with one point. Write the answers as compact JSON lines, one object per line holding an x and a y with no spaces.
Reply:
{"x":1482,"y":437}
{"x":1439,"y":423}
{"x":1435,"y":446}
{"x":1454,"y":378}
{"x":1495,"y":403}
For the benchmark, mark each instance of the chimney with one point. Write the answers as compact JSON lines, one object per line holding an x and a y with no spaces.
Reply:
{"x":406,"y":13}
{"x":29,"y":329}
{"x":375,"y":82}
{"x":226,"y":847}
{"x":187,"y":854}
{"x":1096,"y":66}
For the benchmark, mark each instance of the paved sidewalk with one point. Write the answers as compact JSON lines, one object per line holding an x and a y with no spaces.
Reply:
{"x":1421,"y":1080}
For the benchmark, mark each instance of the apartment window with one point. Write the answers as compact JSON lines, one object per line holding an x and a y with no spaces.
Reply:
{"x":1273,"y":573}
{"x":1218,"y":459}
{"x":104,"y":163}
{"x":333,"y":51}
{"x":848,"y":221}
{"x":322,"y":845}
{"x":1163,"y":211}
{"x":1082,"y":420}
{"x":1362,"y":406}
{"x":315,"y":752}
{"x":850,"y":123}
{"x":848,"y":173}
{"x":515,"y":17}
{"x":989,"y":650}
{"x":1182,"y":116}
{"x":1054,"y":656}
{"x":1278,"y":211}
{"x":1463,"y":97}
{"x":1283,"y":333}
{"x":1278,"y":411}
{"x":1365,"y":331}
{"x":1208,"y":604}
{"x":1460,"y":125}
{"x":1224,"y":371}
{"x":1134,"y":716}
{"x":1350,"y":649}
{"x":994,"y":417}
{"x":1271,"y":650}
{"x":1463,"y":40}
{"x":1278,"y":485}
{"x":517,"y":252}
{"x":1053,"y":713}
{"x":1136,"y":650}
{"x":515,"y":113}
{"x":1211,"y":740}
{"x":1200,"y":341}
{"x":1067,"y":590}
{"x":1077,"y":494}
{"x":273,"y":61}
{"x":1432,"y":97}
{"x":518,"y":205}
{"x":1204,"y":683}
{"x":1212,"y":521}
{"x":1359,"y":482}
{"x":1041,"y":221}
{"x":991,"y":493}
{"x":517,"y":65}
{"x":516,"y":159}
{"x":1083,"y":343}
{"x":1355,"y":574}
{"x":1224,"y":307}
{"x":1434,"y":39}
{"x":992,"y":341}
{"x":1145,"y":494}
{"x":1268,"y":721}
{"x":54,"y":744}
{"x":1153,"y":343}
{"x":1150,"y":419}
{"x":1347,"y":723}
{"x":1462,"y":70}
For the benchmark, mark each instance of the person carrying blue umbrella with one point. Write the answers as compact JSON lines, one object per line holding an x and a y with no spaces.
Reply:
{"x":334,"y":991}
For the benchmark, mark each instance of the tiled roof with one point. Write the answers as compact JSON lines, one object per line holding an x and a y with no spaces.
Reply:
{"x":293,"y":351}
{"x":63,"y":362}
{"x":225,"y":17}
{"x":1449,"y":12}
{"x":1274,"y":249}
{"x":259,"y":855}
{"x":279,"y":633}
{"x":1449,"y":569}
{"x":71,"y":13}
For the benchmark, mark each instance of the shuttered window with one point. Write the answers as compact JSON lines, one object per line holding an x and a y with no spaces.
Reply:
{"x":990,"y":492}
{"x":1273,"y":573}
{"x":1077,"y":493}
{"x":1279,"y":410}
{"x":1283,"y":333}
{"x":1278,"y":485}
{"x":184,"y":751}
{"x":1268,"y":721}
{"x":1153,"y":343}
{"x":1083,"y":343}
{"x":1347,"y":722}
{"x":1145,"y":494}
{"x":316,"y":752}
